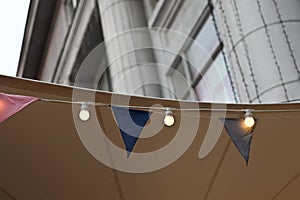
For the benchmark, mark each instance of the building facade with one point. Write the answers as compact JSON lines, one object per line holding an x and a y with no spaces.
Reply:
{"x":217,"y":51}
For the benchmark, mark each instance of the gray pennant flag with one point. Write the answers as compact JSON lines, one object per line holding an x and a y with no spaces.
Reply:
{"x":240,"y":135}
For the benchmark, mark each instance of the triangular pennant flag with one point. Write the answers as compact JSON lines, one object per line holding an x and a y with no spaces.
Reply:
{"x":131,"y":123}
{"x":240,"y":135}
{"x":11,"y":104}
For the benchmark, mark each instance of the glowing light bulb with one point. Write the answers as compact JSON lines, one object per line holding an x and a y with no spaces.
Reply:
{"x":84,"y":113}
{"x":249,"y":121}
{"x":169,"y":119}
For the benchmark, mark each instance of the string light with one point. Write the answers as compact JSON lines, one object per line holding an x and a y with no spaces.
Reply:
{"x":169,"y":119}
{"x":160,"y":109}
{"x":84,"y":113}
{"x":249,"y":120}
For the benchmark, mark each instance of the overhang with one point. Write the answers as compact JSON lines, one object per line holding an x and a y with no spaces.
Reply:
{"x":42,"y":155}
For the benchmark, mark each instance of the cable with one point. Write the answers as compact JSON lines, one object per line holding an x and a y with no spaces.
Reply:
{"x":237,"y":59}
{"x":272,"y":50}
{"x":164,"y":108}
{"x":230,"y":76}
{"x":234,"y":6}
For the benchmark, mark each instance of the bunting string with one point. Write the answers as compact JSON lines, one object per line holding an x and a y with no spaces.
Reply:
{"x":163,"y":108}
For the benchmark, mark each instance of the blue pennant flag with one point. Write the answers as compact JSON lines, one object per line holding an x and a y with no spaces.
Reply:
{"x":240,"y":135}
{"x":131,"y":123}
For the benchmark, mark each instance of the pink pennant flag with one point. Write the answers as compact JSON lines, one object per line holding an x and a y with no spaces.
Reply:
{"x":11,"y":104}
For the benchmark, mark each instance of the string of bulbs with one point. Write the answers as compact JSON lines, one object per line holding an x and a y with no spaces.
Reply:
{"x":169,"y":120}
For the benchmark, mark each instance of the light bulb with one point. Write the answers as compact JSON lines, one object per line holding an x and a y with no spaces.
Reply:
{"x":84,"y":113}
{"x":169,"y":119}
{"x":249,"y":121}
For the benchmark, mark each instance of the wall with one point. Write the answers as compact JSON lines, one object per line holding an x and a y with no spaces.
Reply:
{"x":261,"y":38}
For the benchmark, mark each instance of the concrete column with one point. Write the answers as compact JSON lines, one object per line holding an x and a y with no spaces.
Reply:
{"x":131,"y":60}
{"x":262,"y":40}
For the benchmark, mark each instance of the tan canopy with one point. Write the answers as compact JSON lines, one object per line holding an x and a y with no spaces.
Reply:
{"x":42,"y":155}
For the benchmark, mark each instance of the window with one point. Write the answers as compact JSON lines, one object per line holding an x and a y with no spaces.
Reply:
{"x":93,"y":36}
{"x":179,"y":79}
{"x":215,"y":86}
{"x":203,"y":47}
{"x":203,"y":68}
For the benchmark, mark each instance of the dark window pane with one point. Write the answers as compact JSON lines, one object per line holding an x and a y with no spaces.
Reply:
{"x":93,"y":36}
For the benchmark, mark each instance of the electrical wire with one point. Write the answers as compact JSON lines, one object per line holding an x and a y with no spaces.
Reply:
{"x":164,"y":108}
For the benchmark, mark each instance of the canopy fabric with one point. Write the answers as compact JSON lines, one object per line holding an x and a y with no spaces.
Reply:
{"x":42,"y":156}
